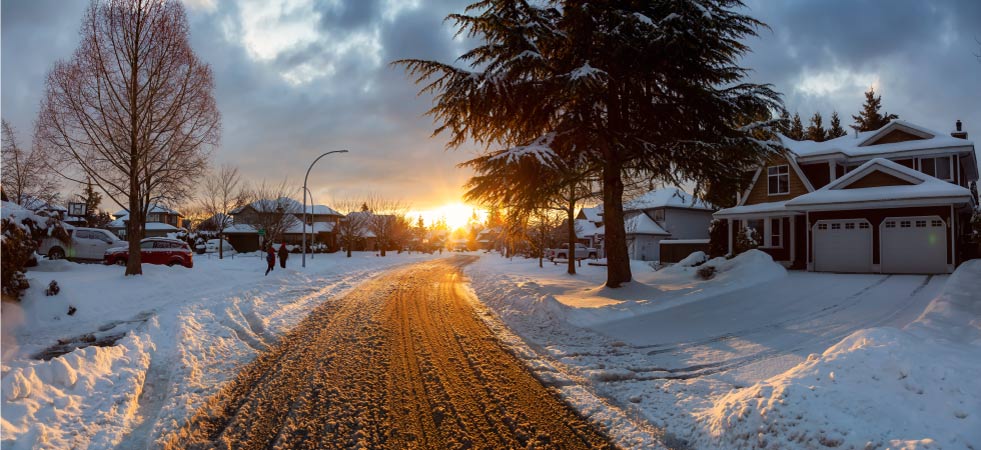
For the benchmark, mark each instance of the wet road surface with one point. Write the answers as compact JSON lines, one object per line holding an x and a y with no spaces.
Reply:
{"x":401,"y":362}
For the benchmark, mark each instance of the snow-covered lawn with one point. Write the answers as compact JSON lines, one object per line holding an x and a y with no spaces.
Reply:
{"x":758,"y":356}
{"x":184,"y":332}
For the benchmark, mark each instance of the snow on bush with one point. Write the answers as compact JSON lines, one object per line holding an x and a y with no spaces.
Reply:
{"x":21,"y":230}
{"x":877,"y":388}
{"x":693,"y":259}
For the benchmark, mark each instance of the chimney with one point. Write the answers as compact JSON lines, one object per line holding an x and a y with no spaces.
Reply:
{"x":958,"y":133}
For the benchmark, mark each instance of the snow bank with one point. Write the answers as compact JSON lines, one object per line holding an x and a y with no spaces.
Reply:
{"x":877,"y":388}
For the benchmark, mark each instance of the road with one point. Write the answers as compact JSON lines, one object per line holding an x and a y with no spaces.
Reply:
{"x":401,"y":362}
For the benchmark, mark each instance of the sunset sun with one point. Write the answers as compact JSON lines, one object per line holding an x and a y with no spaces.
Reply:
{"x":456,"y":214}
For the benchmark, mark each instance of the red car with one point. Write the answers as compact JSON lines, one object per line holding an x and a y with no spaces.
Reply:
{"x":171,"y":252}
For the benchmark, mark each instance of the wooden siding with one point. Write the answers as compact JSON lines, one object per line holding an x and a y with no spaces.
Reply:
{"x":818,"y":174}
{"x":895,"y":136}
{"x":759,"y":192}
{"x":875,"y":179}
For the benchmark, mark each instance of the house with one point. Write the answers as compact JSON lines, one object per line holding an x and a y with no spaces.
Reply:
{"x":160,"y":221}
{"x":893,"y":200}
{"x":248,"y":233}
{"x":661,"y":215}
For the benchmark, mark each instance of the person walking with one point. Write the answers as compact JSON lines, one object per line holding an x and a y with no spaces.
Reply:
{"x":270,"y":258}
{"x":283,"y":255}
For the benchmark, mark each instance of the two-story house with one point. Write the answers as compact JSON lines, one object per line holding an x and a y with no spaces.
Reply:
{"x":662,"y":215}
{"x":160,"y":221}
{"x":893,"y":200}
{"x":284,"y":217}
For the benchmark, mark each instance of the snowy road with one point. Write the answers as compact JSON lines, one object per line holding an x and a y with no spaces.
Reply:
{"x":401,"y":362}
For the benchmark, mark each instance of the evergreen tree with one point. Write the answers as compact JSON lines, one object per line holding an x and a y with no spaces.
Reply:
{"x":815,"y":131}
{"x":92,"y":200}
{"x":796,"y":131}
{"x":870,"y":119}
{"x":621,"y":88}
{"x":784,"y":127}
{"x":836,"y":130}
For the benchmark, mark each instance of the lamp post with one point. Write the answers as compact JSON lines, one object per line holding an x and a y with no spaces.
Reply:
{"x":305,"y":190}
{"x":313,"y":206}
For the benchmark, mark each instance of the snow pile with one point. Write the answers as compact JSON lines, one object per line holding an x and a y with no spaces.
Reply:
{"x":53,"y":404}
{"x":693,"y":259}
{"x":877,"y":388}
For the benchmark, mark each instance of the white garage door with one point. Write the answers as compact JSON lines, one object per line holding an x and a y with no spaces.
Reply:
{"x":842,"y":246}
{"x":913,"y":245}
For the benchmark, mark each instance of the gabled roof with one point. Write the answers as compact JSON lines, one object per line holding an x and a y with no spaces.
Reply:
{"x":924,"y":190}
{"x":593,"y":214}
{"x":640,"y":223}
{"x":864,"y":143}
{"x":154,"y":208}
{"x":585,"y":228}
{"x":666,"y":197}
{"x":289,"y":205}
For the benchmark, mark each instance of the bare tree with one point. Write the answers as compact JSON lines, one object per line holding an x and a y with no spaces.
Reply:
{"x":27,"y":178}
{"x":220,"y":196}
{"x":270,"y":207}
{"x":132,"y":108}
{"x":387,"y":221}
{"x":541,"y":231}
{"x":353,"y":226}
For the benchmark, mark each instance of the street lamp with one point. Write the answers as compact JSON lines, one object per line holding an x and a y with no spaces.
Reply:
{"x":305,"y":190}
{"x":313,"y":206}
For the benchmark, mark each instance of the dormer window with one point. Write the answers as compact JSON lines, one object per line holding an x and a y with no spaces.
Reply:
{"x":778,"y":180}
{"x":940,"y":167}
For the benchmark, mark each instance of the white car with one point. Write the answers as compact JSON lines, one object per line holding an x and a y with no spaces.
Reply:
{"x":212,"y":247}
{"x":581,"y":252}
{"x":86,"y":243}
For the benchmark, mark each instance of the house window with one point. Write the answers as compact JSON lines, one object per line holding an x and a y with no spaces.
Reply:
{"x":940,"y":167}
{"x":778,"y":180}
{"x":776,"y":232}
{"x":659,"y":215}
{"x":936,"y":223}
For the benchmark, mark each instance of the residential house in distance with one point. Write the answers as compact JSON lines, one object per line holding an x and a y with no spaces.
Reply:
{"x":160,"y":221}
{"x":244,"y":234}
{"x":893,"y":200}
{"x":662,"y":216}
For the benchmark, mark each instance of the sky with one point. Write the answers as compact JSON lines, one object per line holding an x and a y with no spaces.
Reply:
{"x":297,"y":78}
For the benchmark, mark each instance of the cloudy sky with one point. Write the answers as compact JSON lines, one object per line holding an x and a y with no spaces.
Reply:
{"x":296,"y":78}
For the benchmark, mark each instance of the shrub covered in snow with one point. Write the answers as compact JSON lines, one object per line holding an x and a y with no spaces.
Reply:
{"x":693,"y":259}
{"x":22,"y":230}
{"x":706,"y":272}
{"x":747,"y":239}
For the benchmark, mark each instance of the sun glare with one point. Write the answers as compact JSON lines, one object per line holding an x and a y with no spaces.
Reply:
{"x":456,"y":214}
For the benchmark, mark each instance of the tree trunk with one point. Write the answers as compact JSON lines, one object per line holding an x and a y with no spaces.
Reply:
{"x":571,"y":228}
{"x":134,"y":264}
{"x":221,"y":245}
{"x":617,"y":258}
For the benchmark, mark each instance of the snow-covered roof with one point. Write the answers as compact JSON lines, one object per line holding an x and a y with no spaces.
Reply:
{"x":758,"y":208}
{"x":923,"y":188}
{"x":240,"y":228}
{"x":666,"y":197}
{"x":289,"y":205}
{"x":863,"y":144}
{"x":315,"y":227}
{"x":160,"y":226}
{"x":117,"y":223}
{"x":640,"y":223}
{"x":585,"y":228}
{"x":154,"y":208}
{"x":594,"y":214}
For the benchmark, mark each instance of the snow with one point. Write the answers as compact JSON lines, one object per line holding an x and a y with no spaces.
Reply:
{"x":593,"y":214}
{"x":640,"y":223}
{"x":666,"y":197}
{"x":757,"y":208}
{"x":731,"y":362}
{"x":586,"y":71}
{"x":685,"y":241}
{"x":160,"y":226}
{"x":540,"y":149}
{"x":850,"y":145}
{"x":154,"y":208}
{"x":585,"y":229}
{"x":184,"y":332}
{"x":837,"y":191}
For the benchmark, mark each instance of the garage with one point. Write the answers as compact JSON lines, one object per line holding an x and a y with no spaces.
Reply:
{"x":842,"y":245}
{"x":915,"y":244}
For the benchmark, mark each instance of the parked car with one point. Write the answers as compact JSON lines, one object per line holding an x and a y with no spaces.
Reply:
{"x":167,"y":251}
{"x":212,"y":246}
{"x":580,"y":252}
{"x":85,"y":243}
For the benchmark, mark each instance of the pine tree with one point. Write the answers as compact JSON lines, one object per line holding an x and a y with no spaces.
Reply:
{"x":784,"y":127}
{"x":621,"y":87}
{"x":92,"y":200}
{"x":870,"y":119}
{"x":796,"y":131}
{"x":815,"y":131}
{"x":836,"y":130}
